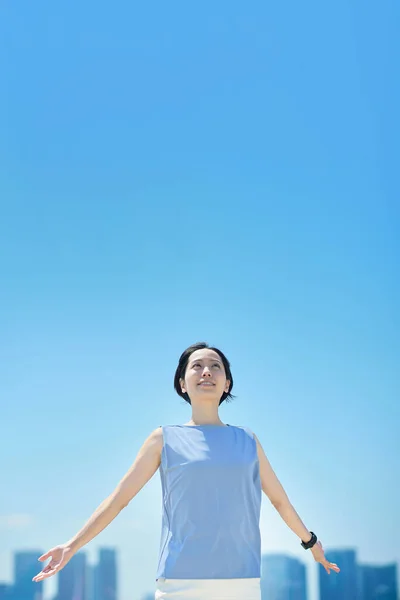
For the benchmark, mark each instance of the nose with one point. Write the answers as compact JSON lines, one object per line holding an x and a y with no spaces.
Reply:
{"x":206,"y":372}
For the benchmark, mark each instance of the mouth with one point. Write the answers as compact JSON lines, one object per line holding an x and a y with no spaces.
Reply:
{"x":207,"y":383}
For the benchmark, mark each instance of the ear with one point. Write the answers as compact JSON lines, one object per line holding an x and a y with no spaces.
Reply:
{"x":182,"y":384}
{"x":228,"y":383}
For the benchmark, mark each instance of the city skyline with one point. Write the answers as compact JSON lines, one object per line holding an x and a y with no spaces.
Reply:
{"x":283,"y":577}
{"x":78,"y":580}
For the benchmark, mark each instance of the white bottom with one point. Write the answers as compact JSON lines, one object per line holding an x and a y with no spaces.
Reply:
{"x":208,"y":589}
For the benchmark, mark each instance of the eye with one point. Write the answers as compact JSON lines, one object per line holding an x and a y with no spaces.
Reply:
{"x":196,"y":365}
{"x":217,"y":365}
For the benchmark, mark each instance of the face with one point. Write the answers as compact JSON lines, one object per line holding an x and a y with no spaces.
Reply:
{"x":205,"y":376}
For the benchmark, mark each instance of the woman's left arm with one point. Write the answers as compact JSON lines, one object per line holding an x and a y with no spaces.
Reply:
{"x":273,"y":489}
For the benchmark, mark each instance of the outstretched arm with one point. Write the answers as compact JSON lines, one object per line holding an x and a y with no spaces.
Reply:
{"x":145,"y":465}
{"x":273,"y":489}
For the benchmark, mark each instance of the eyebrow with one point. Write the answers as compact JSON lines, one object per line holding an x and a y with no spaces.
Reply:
{"x":202,"y":359}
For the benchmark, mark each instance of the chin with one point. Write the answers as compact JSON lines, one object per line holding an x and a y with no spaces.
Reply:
{"x":207,"y":395}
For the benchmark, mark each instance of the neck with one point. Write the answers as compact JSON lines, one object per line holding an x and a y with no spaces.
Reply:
{"x":205,"y":415}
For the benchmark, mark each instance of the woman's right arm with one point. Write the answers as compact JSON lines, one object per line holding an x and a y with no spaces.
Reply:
{"x":145,"y":465}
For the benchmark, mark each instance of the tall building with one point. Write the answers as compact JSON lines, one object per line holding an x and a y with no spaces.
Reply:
{"x":5,"y":591}
{"x":26,"y":566}
{"x":72,"y":579}
{"x":90,"y":582}
{"x":379,"y":582}
{"x":105,"y":587}
{"x":343,"y":585}
{"x":283,"y":578}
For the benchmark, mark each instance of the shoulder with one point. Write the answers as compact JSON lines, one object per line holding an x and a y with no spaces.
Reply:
{"x":256,"y":439}
{"x":251,"y":433}
{"x":157,"y":434}
{"x":260,"y":449}
{"x":155,"y":439}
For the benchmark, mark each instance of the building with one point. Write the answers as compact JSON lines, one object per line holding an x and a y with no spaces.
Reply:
{"x":72,"y":584}
{"x":26,"y":566}
{"x":90,"y":582}
{"x":105,"y":578}
{"x":283,"y":578}
{"x":5,"y":591}
{"x":343,"y":585}
{"x":379,"y":582}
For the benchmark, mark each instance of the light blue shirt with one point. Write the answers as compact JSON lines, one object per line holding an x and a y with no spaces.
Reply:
{"x":211,"y":493}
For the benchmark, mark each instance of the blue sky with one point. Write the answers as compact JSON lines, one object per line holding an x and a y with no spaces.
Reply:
{"x":173,"y":173}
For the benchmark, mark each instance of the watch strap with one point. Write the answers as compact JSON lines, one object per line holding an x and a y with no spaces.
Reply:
{"x":310,"y":543}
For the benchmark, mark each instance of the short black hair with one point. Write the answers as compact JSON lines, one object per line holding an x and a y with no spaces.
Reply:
{"x":183,"y":362}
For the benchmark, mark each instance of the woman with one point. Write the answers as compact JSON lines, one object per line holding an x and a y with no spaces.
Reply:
{"x":212,"y":475}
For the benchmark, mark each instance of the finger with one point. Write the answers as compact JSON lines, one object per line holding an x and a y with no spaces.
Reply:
{"x":48,"y":570}
{"x":39,"y":576}
{"x":45,"y":556}
{"x":44,"y":575}
{"x":331,"y":567}
{"x":36,"y":576}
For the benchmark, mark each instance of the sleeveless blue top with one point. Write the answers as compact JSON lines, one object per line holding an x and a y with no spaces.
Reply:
{"x":211,"y":493}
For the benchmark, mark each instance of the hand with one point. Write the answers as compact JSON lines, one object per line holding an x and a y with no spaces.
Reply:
{"x":318,"y":554}
{"x":60,"y":556}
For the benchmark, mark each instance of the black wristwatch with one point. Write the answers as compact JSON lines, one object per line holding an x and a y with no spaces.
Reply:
{"x":311,"y":543}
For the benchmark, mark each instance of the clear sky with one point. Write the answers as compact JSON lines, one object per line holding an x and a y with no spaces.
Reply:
{"x":177,"y":172}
